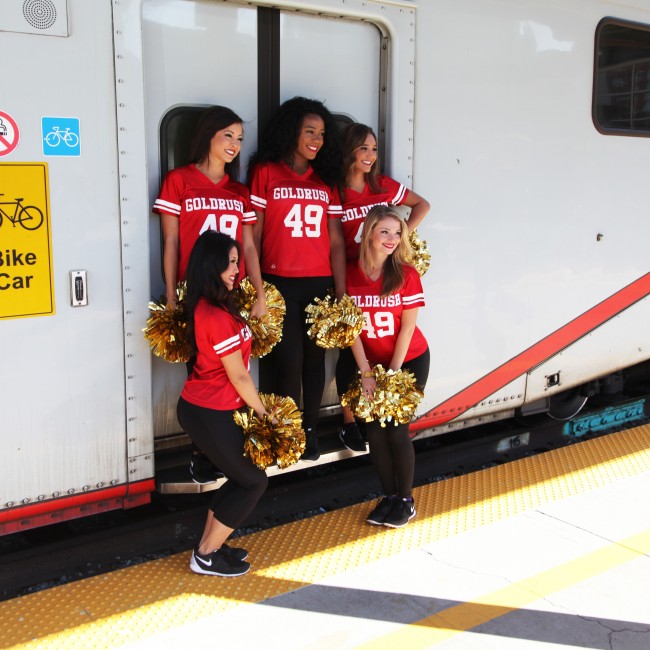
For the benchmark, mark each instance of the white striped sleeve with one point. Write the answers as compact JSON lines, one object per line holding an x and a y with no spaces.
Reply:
{"x":258,"y":202}
{"x":399,"y":195}
{"x":229,"y":345}
{"x":414,"y":300}
{"x":166,"y":206}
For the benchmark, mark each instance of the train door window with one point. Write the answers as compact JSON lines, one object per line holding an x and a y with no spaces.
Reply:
{"x":621,"y":98}
{"x":343,"y":69}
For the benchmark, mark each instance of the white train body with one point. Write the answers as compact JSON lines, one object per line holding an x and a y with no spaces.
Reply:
{"x":538,"y":231}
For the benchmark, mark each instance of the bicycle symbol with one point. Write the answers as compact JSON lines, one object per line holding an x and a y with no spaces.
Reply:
{"x":55,"y":137}
{"x":28,"y":216}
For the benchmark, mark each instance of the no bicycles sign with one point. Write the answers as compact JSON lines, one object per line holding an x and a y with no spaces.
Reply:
{"x":26,"y":283}
{"x":9,"y":134}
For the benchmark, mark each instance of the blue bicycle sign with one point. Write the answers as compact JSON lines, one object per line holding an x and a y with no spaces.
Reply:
{"x":61,"y":136}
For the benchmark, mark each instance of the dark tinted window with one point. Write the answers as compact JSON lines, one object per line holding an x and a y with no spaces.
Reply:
{"x":622,"y":78}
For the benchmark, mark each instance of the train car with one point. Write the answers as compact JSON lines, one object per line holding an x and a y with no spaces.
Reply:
{"x":524,"y":124}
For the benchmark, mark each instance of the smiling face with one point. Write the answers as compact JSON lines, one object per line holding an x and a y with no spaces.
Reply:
{"x":230,"y":275}
{"x":311,"y":139}
{"x":365,"y":155}
{"x":385,"y":236}
{"x":226,"y":143}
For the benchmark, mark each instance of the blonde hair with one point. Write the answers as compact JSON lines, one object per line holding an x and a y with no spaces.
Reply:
{"x":392,"y":273}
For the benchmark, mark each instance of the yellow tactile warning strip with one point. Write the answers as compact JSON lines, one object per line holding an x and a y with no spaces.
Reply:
{"x":134,"y":603}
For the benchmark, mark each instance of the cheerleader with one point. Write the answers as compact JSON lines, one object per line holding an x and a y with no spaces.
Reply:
{"x":218,"y":384}
{"x":389,"y":292}
{"x":205,"y":195}
{"x":298,"y":235}
{"x":361,"y":188}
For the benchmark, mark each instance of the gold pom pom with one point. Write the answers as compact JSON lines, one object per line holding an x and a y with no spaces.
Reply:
{"x":396,"y":397}
{"x":266,"y":331}
{"x":421,"y":256}
{"x":279,"y":439}
{"x":335,"y":323}
{"x":166,"y":329}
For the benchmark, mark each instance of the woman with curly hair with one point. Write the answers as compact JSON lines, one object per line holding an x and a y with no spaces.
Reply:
{"x":363,"y":186}
{"x":292,"y":179}
{"x":389,"y":292}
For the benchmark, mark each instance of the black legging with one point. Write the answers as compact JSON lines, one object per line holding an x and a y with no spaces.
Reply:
{"x":296,"y":361}
{"x":391,"y":449}
{"x":222,"y":441}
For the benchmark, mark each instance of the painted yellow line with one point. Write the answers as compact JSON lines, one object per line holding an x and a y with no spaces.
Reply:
{"x":461,"y":618}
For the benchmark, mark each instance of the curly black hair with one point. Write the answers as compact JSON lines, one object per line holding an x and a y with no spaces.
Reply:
{"x":280,"y":137}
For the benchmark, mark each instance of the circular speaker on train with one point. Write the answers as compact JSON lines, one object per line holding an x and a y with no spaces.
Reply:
{"x":40,"y":14}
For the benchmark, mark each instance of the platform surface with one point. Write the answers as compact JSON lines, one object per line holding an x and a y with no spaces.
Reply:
{"x":551,"y":551}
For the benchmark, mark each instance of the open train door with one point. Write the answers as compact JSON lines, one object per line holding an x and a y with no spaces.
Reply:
{"x":251,"y":58}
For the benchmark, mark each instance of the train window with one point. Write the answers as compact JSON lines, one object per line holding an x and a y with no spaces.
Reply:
{"x":621,"y":98}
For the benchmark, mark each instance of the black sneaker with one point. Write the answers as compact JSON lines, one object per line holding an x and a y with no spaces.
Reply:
{"x":383,"y":507}
{"x":311,"y":448}
{"x":239,"y":554}
{"x":218,"y":563}
{"x":203,"y":471}
{"x":351,"y":437}
{"x":400,"y":514}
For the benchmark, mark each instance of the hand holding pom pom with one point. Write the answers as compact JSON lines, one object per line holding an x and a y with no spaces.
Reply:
{"x":166,"y":329}
{"x":267,"y":331}
{"x":277,"y":439}
{"x":395,"y":399}
{"x":335,"y":323}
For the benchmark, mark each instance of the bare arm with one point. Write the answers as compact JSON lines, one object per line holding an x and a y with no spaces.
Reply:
{"x":368,"y":384}
{"x":407,"y":327}
{"x":171,"y":238}
{"x":258,"y":231}
{"x":242,"y":381}
{"x":252,"y":260}
{"x":419,"y":209}
{"x":337,"y":255}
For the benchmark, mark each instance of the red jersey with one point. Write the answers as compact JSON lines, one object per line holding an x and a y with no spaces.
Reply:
{"x":218,"y":333}
{"x":202,"y":205}
{"x":296,"y":241}
{"x":357,"y":204}
{"x":384,"y":315}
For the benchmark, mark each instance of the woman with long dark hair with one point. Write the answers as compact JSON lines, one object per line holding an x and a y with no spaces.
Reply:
{"x":206,"y":195}
{"x":219,"y":383}
{"x":363,"y":186}
{"x":292,"y":178}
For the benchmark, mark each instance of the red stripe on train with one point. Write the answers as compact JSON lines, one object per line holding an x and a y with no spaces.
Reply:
{"x":79,"y":505}
{"x":534,"y":355}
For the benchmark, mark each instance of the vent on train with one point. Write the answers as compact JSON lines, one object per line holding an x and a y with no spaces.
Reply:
{"x":44,"y":17}
{"x":40,"y":14}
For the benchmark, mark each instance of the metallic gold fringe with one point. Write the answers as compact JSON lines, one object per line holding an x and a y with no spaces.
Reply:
{"x":267,"y":331}
{"x":166,"y":329}
{"x":421,"y":256}
{"x":335,"y":323}
{"x":396,"y":397}
{"x":279,"y":440}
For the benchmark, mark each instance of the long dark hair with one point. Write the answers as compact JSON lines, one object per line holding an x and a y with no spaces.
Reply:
{"x":352,"y":138}
{"x":215,"y":118}
{"x":280,"y":137}
{"x":209,"y":258}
